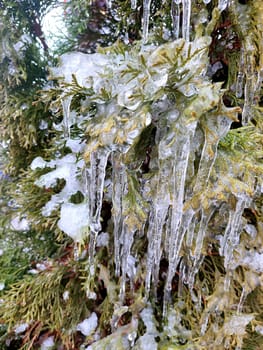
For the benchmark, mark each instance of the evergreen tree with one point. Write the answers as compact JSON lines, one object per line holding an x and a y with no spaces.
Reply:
{"x":131,"y":176}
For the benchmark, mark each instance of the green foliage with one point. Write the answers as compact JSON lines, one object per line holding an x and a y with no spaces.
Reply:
{"x":139,"y":106}
{"x":40,"y":298}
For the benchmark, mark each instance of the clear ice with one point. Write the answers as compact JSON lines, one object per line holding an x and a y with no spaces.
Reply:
{"x":175,"y":15}
{"x":186,"y":19}
{"x":146,"y":18}
{"x":95,"y":183}
{"x":172,"y":208}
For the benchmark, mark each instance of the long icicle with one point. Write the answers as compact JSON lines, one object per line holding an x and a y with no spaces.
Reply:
{"x":240,"y":75}
{"x":157,"y":221}
{"x":98,"y":163}
{"x":249,"y":90}
{"x":66,"y":102}
{"x":119,"y":182}
{"x":232,"y":235}
{"x":180,"y":165}
{"x":197,"y":255}
{"x":186,"y":19}
{"x":133,"y":4}
{"x":126,"y":239}
{"x":146,"y":19}
{"x":175,"y":15}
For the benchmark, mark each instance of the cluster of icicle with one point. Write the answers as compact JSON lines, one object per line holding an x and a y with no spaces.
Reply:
{"x":178,"y":202}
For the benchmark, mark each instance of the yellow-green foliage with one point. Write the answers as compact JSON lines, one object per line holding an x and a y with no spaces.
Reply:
{"x":39,"y":298}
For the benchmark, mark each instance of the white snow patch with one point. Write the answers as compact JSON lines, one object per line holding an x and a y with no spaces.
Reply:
{"x":41,"y":267}
{"x":89,"y":325}
{"x":21,"y":44}
{"x":76,"y":146}
{"x":21,"y":328}
{"x":18,"y":224}
{"x":66,"y":295}
{"x":38,"y":162}
{"x":67,"y":168}
{"x":91,"y":295}
{"x":254,"y":261}
{"x":74,"y":220}
{"x":47,"y":343}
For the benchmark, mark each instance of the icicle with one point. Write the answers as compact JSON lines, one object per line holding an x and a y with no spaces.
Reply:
{"x":242,"y":300}
{"x":186,"y":19}
{"x":222,"y":4}
{"x":252,"y":86}
{"x":232,"y":231}
{"x":259,"y":83}
{"x":66,"y":102}
{"x":240,"y":75}
{"x":179,"y":168}
{"x":133,"y":4}
{"x":249,"y":100}
{"x":126,"y":241}
{"x":98,"y":163}
{"x":155,"y":231}
{"x":119,"y":182}
{"x":157,"y":221}
{"x":189,"y":223}
{"x":197,"y":254}
{"x":146,"y":18}
{"x":239,"y":84}
{"x":175,"y":15}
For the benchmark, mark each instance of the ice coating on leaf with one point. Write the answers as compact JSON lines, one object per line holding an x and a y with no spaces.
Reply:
{"x":215,"y":128}
{"x":238,"y":323}
{"x":81,"y":65}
